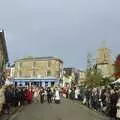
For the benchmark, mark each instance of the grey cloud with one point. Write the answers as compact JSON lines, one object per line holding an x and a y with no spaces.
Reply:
{"x":63,"y":28}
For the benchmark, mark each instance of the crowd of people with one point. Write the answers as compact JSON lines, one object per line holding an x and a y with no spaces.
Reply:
{"x":11,"y":96}
{"x":48,"y":93}
{"x":106,"y":100}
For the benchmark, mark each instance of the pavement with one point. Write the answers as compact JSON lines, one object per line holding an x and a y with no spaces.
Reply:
{"x":66,"y":110}
{"x":13,"y":111}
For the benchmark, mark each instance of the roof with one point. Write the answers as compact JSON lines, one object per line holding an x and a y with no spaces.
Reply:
{"x":82,"y":71}
{"x":40,"y":58}
{"x":36,"y":78}
{"x":71,"y":68}
{"x":3,"y":41}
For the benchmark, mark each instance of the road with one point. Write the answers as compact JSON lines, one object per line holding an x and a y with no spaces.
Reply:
{"x":67,"y":110}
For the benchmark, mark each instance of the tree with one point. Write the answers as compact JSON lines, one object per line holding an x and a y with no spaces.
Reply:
{"x":89,"y":61}
{"x":117,"y":67}
{"x":105,"y":81}
{"x":94,"y":78}
{"x":93,"y":75}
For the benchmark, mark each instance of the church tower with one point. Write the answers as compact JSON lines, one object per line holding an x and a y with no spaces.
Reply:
{"x":103,"y":55}
{"x":104,"y":60}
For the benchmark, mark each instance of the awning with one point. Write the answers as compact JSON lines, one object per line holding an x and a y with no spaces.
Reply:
{"x":38,"y":80}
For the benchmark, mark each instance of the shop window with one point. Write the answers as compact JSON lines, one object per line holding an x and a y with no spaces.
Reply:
{"x":46,"y":84}
{"x":26,"y":83}
{"x":15,"y":83}
{"x":52,"y":83}
{"x":40,"y":83}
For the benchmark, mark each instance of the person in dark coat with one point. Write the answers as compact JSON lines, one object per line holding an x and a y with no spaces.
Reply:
{"x":73,"y":94}
{"x":42,"y":95}
{"x":88,"y":95}
{"x":20,"y":97}
{"x":14,"y":97}
{"x":103,"y":98}
{"x":113,"y":102}
{"x":8,"y":99}
{"x":49,"y":95}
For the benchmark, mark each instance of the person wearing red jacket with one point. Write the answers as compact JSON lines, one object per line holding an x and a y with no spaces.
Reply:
{"x":28,"y":95}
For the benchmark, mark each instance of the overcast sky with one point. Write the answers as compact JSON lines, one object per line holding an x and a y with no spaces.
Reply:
{"x":68,"y":29}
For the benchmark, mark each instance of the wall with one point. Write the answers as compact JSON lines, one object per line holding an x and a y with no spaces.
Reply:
{"x":38,"y":68}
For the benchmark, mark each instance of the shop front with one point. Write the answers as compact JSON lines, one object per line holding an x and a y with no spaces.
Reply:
{"x":44,"y":82}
